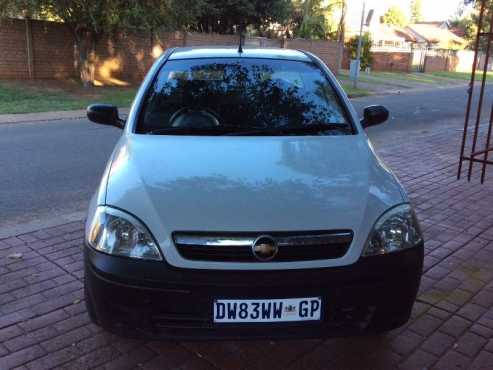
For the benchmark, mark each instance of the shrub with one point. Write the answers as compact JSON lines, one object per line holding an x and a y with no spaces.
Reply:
{"x":366,"y":57}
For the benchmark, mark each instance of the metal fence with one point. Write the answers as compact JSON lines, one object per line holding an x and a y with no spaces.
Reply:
{"x":475,"y":149}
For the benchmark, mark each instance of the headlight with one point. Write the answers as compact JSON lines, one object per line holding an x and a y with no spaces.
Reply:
{"x":117,"y":233}
{"x":395,"y":230}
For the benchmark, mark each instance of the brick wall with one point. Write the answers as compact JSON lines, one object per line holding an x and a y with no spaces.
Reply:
{"x":126,"y":57}
{"x":384,"y":61}
{"x":122,"y":58}
{"x":460,"y":61}
{"x":53,"y":50}
{"x":455,"y":61}
{"x":207,"y":39}
{"x":13,"y":54}
{"x":391,"y":61}
{"x":436,"y":63}
{"x":326,"y":50}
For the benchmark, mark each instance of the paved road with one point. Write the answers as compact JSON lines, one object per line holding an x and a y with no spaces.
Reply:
{"x":49,"y":170}
{"x":415,"y":112}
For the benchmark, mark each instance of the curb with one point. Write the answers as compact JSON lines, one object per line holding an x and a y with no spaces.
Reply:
{"x":47,"y":116}
{"x":42,"y":116}
{"x":404,"y":91}
{"x":8,"y":231}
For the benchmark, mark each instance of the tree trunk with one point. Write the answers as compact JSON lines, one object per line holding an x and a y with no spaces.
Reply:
{"x":85,"y":44}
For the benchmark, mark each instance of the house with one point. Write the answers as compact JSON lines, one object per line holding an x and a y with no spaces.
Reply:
{"x":386,"y":36}
{"x":424,"y":35}
{"x":436,"y":35}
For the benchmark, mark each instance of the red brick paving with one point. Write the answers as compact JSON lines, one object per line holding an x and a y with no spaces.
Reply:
{"x":43,"y":323}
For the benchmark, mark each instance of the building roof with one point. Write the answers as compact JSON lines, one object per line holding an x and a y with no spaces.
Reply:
{"x":385,"y":32}
{"x":435,"y":23}
{"x":232,"y":52}
{"x":433,"y":33}
{"x":459,"y":31}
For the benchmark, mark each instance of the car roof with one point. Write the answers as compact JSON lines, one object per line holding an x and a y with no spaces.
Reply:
{"x":230,"y":52}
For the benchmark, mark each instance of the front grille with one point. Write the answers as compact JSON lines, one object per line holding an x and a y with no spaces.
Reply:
{"x":237,"y":247}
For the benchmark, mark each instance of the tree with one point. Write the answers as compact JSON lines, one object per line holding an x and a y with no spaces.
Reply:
{"x":341,"y":24}
{"x":470,"y":23}
{"x":366,"y":57}
{"x":316,"y":19}
{"x":228,"y":16}
{"x":395,"y":16}
{"x":313,"y":23}
{"x":416,"y":11}
{"x":468,"y":27}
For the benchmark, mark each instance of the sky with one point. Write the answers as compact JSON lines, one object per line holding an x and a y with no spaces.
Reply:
{"x":433,"y":10}
{"x":439,"y":9}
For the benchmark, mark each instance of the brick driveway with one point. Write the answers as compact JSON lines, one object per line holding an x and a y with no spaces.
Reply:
{"x":43,"y":323}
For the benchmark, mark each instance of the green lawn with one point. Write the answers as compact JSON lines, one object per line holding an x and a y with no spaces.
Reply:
{"x":354,"y":92}
{"x":463,"y":76}
{"x":26,"y":98}
{"x":406,"y":80}
{"x":398,"y":78}
{"x":420,"y":78}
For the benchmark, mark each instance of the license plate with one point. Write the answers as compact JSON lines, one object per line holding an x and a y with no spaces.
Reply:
{"x":267,"y":310}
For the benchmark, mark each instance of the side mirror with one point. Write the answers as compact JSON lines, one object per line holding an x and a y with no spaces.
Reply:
{"x":104,"y":114}
{"x":374,"y":115}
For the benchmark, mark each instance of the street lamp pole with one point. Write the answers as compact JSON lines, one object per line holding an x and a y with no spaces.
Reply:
{"x":360,"y":42}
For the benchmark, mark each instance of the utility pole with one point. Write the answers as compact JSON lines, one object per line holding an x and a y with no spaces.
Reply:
{"x":358,"y":52}
{"x":341,"y":35}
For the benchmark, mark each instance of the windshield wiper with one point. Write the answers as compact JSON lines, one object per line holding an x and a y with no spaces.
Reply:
{"x":292,"y":130}
{"x":252,"y":131}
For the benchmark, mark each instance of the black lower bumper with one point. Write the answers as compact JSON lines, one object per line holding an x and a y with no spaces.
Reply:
{"x":155,"y":300}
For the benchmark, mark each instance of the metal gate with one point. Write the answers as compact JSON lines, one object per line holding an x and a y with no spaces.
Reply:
{"x":476,"y":148}
{"x":418,"y":56}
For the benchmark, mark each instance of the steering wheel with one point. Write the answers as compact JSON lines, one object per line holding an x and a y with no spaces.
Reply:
{"x":189,"y":117}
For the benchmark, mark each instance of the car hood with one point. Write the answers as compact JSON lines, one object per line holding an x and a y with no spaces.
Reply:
{"x":223,"y":183}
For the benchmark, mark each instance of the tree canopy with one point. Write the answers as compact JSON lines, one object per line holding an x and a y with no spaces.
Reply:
{"x":395,"y":16}
{"x":303,"y":18}
{"x":226,"y":16}
{"x":468,"y":24}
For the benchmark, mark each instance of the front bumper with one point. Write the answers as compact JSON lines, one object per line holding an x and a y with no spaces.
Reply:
{"x":155,"y":300}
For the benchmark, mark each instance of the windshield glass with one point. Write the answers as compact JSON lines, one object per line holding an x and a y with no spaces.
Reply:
{"x":242,"y":97}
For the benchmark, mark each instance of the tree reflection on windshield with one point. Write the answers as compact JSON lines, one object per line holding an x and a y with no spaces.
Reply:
{"x":250,"y":93}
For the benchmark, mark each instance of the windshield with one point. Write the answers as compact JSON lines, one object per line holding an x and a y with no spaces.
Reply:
{"x":242,"y":97}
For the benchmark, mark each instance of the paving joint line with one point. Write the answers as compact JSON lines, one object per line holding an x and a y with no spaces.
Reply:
{"x":197,"y":355}
{"x":306,"y":353}
{"x":418,"y":347}
{"x":432,"y":305}
{"x":452,"y":252}
{"x":56,"y":263}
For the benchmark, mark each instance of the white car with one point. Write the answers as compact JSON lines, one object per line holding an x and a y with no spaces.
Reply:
{"x":244,"y":200}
